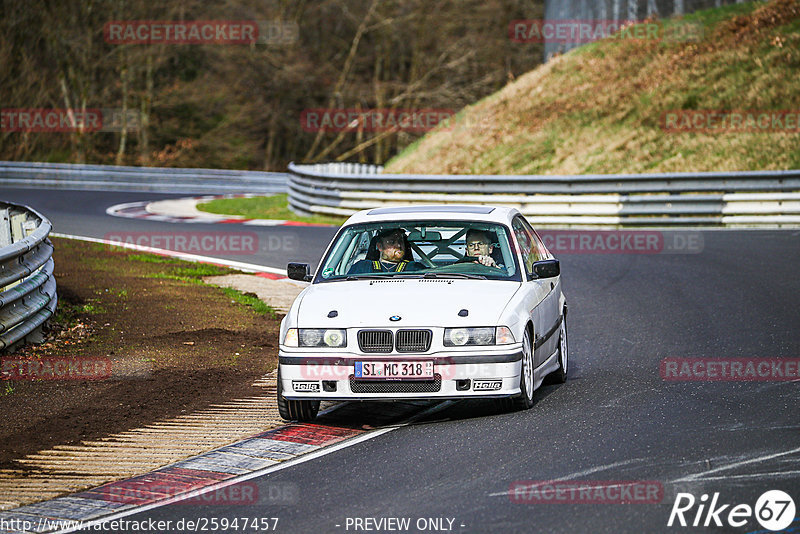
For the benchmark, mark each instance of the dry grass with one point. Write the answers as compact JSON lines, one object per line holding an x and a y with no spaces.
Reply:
{"x":598,"y":108}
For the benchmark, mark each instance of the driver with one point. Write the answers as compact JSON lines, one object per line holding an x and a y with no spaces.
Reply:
{"x":394,"y":255}
{"x":479,"y":248}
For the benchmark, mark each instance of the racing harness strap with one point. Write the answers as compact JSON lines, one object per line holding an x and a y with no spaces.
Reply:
{"x":400,"y":266}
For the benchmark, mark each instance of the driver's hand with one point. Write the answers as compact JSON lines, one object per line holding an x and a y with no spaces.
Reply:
{"x":487,"y":260}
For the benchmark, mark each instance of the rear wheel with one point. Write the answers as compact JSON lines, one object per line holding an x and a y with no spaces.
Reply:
{"x":295,"y":410}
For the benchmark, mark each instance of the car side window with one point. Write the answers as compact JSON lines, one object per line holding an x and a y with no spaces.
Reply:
{"x":542,"y":252}
{"x":527,"y":245}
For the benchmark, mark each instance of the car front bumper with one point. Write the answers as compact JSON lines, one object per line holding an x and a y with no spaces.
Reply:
{"x":458,"y":375}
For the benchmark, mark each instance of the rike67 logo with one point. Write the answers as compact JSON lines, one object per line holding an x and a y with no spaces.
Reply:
{"x":774,"y":510}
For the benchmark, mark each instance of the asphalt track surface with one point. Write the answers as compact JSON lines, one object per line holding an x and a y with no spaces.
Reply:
{"x":616,"y":419}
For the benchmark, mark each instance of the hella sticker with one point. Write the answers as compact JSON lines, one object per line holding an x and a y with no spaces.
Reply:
{"x":298,"y":385}
{"x":487,"y":385}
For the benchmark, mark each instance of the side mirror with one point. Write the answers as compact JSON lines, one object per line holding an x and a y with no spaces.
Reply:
{"x":547,"y":269}
{"x":299,"y":271}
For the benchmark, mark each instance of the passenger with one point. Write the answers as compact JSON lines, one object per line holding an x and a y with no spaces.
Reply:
{"x":479,"y":248}
{"x":391,"y":253}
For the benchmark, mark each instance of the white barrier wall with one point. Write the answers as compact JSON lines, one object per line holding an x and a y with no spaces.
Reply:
{"x":731,"y":199}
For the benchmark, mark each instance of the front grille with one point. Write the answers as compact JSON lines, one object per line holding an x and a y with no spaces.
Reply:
{"x":375,"y":340}
{"x":413,"y":340}
{"x":396,"y":386}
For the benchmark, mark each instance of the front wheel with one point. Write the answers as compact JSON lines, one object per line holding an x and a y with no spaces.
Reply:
{"x":295,"y":410}
{"x":524,"y":400}
{"x":560,"y":376}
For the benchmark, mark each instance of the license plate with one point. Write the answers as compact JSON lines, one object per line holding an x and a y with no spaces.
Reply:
{"x":394,"y":370}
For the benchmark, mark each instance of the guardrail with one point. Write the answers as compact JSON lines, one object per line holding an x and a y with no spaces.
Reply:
{"x":151,"y":179}
{"x":27,"y":285}
{"x":731,"y":199}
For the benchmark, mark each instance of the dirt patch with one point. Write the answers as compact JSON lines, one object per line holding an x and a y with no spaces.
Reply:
{"x":279,"y":294}
{"x":174,"y":346}
{"x":767,"y":16}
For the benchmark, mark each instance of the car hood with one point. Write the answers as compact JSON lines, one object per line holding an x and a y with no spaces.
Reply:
{"x":418,"y":303}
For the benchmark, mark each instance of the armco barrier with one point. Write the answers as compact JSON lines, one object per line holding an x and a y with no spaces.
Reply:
{"x":27,"y":285}
{"x":152,"y":179}
{"x":732,"y":199}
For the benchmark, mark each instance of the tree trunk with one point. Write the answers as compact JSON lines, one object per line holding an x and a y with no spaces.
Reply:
{"x":269,"y":152}
{"x":146,"y":106}
{"x":632,"y":10}
{"x":348,"y":63}
{"x":123,"y":135}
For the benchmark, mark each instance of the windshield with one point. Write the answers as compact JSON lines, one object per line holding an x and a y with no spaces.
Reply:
{"x":447,"y":249}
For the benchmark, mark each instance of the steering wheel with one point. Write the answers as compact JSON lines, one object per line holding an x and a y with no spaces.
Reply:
{"x":466,"y":259}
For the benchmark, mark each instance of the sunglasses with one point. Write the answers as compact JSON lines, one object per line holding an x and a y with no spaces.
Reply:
{"x":392,"y":240}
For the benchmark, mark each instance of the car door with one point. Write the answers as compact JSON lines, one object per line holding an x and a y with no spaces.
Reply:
{"x":535,"y":290}
{"x":550,"y":306}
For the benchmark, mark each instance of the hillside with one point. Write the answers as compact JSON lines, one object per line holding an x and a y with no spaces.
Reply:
{"x":602,"y":108}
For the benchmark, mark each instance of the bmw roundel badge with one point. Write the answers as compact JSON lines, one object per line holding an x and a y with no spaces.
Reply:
{"x":395,"y":318}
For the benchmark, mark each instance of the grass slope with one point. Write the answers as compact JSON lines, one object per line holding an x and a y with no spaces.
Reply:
{"x":271,"y":207}
{"x":598,"y":108}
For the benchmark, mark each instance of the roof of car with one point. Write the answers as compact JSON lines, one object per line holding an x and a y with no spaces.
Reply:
{"x":472,"y":212}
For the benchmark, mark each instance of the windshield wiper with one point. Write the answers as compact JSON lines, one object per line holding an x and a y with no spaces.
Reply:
{"x":351,"y":278}
{"x":412,"y":274}
{"x":455,"y":275}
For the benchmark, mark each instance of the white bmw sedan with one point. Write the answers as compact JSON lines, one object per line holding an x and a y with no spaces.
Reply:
{"x":425,"y":302}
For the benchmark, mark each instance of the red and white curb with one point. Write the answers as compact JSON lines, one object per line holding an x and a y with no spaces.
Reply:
{"x":184,"y":210}
{"x":190,"y":479}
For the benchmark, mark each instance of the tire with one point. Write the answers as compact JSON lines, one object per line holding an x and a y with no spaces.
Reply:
{"x":526,"y":379}
{"x":524,"y":400}
{"x":295,"y":410}
{"x":560,"y":376}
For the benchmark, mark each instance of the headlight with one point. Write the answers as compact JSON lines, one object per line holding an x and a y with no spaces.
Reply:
{"x":334,"y":338}
{"x":310,"y":338}
{"x":315,"y":337}
{"x":458,"y":337}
